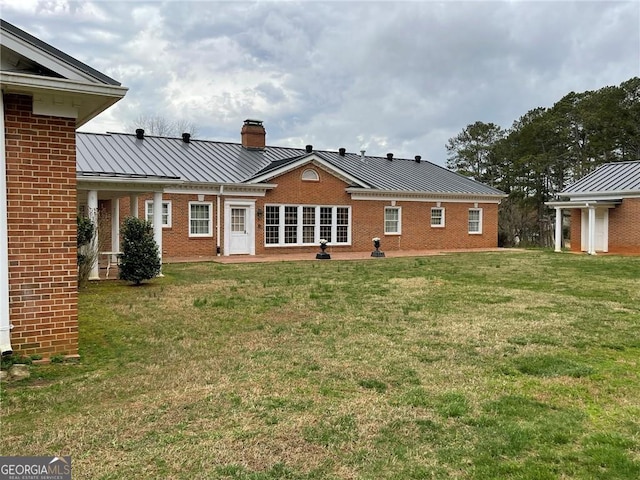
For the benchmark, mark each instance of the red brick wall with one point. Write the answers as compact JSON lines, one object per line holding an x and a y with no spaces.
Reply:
{"x":41,"y":207}
{"x":176,"y":242}
{"x":367,"y":220}
{"x":368,"y":217}
{"x":624,"y":227}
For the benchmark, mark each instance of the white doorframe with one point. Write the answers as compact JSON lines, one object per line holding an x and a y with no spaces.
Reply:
{"x":250,"y":205}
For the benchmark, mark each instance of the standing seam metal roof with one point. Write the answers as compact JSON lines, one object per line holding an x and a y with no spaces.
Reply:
{"x":610,"y":177}
{"x":205,"y":161}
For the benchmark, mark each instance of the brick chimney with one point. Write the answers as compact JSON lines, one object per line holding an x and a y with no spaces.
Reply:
{"x":253,"y":135}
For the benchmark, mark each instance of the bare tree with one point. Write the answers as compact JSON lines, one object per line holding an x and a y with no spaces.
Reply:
{"x":163,"y":127}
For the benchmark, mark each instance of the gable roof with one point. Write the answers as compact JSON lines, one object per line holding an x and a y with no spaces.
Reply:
{"x":205,"y":161}
{"x":59,"y":84}
{"x":617,"y":178}
{"x":55,"y":53}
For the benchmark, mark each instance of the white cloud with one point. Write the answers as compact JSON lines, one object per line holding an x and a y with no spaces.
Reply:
{"x":400,"y":77}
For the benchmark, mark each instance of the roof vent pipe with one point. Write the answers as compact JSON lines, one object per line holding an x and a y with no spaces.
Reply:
{"x":389,"y":156}
{"x":186,"y":137}
{"x":139,"y":133}
{"x":418,"y":158}
{"x":342,"y":151}
{"x":309,"y":148}
{"x":362,"y":155}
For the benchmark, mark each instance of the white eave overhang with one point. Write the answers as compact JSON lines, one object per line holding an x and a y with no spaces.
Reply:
{"x":613,"y":195}
{"x":125,"y":184}
{"x":60,"y":96}
{"x":416,"y":196}
{"x":228,"y":189}
{"x":583,"y":203}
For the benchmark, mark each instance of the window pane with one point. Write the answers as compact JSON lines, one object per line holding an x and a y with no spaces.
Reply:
{"x":474,"y":220}
{"x":238,"y":220}
{"x":436,"y":216}
{"x":391,"y":220}
{"x":199,"y":219}
{"x":272,"y":215}
{"x":325,"y":232}
{"x":342,"y":233}
{"x":290,"y":215}
{"x":342,"y":216}
{"x":290,"y":234}
{"x":150,"y":212}
{"x":272,"y":234}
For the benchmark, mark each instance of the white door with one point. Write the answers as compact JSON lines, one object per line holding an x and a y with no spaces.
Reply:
{"x":602,"y":227}
{"x":601,"y":230}
{"x":239,"y":233}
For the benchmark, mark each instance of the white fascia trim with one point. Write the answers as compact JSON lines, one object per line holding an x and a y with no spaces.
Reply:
{"x":312,"y":159}
{"x":583,"y":203}
{"x":235,"y":189}
{"x":17,"y":82}
{"x":129,"y":185}
{"x":602,"y":195}
{"x":43,"y":58}
{"x":358,"y":194}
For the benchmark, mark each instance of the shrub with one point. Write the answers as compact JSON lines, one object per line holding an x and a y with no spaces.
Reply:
{"x":140,"y":256}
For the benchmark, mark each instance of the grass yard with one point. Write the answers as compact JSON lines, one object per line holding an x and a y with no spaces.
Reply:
{"x":478,"y":366}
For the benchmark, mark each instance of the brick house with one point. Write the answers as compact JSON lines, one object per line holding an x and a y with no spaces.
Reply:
{"x":208,"y":198}
{"x":605,"y":210}
{"x":46,"y":95}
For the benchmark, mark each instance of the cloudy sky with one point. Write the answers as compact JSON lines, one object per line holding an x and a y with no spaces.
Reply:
{"x":398,"y":77}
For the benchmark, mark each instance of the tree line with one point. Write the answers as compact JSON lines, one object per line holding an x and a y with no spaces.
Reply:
{"x":545,"y":150}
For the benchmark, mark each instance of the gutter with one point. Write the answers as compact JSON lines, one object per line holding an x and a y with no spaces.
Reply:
{"x":5,"y":323}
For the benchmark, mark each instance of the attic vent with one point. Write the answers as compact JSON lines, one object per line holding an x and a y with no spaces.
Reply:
{"x":309,"y":148}
{"x":186,"y":137}
{"x":139,"y":133}
{"x":418,"y":158}
{"x":389,"y":156}
{"x":342,"y":151}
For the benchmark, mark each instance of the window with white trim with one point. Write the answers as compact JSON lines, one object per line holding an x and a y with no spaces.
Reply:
{"x":475,"y":220}
{"x":437,"y":217}
{"x":310,"y":175}
{"x":392,"y":221}
{"x":200,"y":219}
{"x":288,"y":225}
{"x":166,"y":213}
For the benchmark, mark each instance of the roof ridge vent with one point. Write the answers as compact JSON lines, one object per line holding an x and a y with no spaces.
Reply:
{"x":139,"y":133}
{"x":342,"y":151}
{"x":186,"y":137}
{"x":309,"y":148}
{"x":390,"y":156}
{"x":418,"y":158}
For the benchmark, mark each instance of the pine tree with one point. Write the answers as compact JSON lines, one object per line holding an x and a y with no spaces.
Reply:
{"x":140,"y":257}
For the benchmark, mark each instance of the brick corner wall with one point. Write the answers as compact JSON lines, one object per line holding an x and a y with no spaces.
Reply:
{"x":41,"y":208}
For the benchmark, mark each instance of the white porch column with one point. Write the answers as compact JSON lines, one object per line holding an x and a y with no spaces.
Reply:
{"x":591,"y":249}
{"x":558,"y":229}
{"x":157,"y":221}
{"x":115,"y":225}
{"x":133,"y":206}
{"x":92,"y":205}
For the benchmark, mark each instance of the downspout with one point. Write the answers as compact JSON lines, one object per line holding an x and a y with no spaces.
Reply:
{"x":220,"y":193}
{"x":5,"y":323}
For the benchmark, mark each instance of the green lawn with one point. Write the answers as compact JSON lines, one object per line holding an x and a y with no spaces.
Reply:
{"x":487,"y":365}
